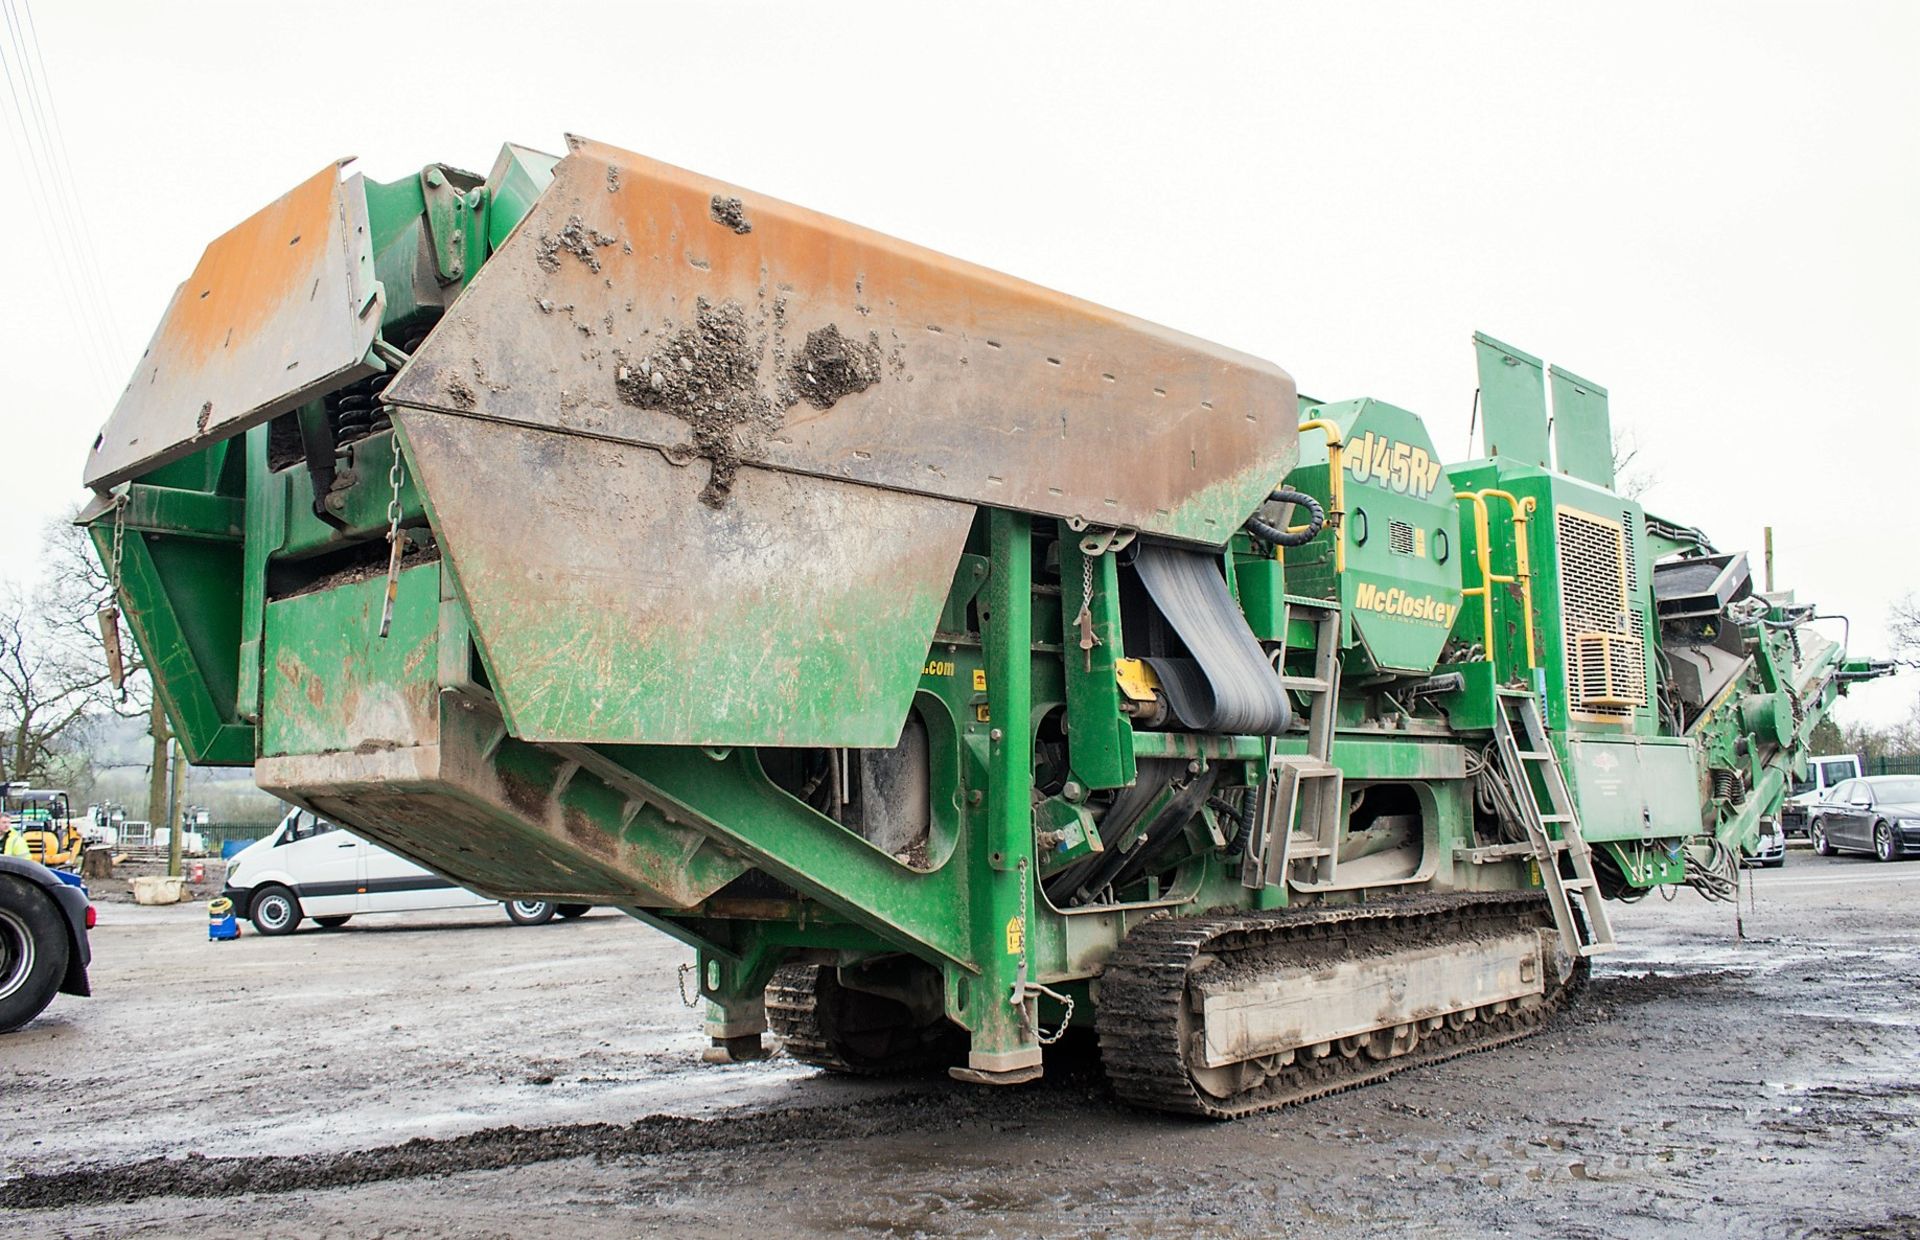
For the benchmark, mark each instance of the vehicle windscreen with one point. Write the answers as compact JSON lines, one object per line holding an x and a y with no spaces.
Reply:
{"x":1834,"y":772}
{"x":1897,"y":791}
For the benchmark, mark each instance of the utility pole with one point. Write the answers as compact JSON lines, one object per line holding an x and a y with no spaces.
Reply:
{"x":157,"y":770}
{"x":1769,"y":559}
{"x":174,"y":832}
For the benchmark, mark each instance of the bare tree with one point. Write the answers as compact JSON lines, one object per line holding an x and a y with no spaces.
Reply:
{"x":76,"y":587}
{"x":1903,"y":623}
{"x":1630,"y":482}
{"x":45,"y":690}
{"x":53,"y":663}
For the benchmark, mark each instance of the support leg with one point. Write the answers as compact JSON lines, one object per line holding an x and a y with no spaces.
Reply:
{"x":1005,"y":1048}
{"x":735,"y":989}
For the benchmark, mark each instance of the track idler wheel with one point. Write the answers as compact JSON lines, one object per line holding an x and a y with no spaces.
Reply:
{"x":858,"y":1032}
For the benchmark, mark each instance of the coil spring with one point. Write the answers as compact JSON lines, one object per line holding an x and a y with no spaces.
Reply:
{"x":357,"y":411}
{"x":1727,"y":785}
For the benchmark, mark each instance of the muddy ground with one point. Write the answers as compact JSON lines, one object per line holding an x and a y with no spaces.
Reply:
{"x":1708,"y":1086}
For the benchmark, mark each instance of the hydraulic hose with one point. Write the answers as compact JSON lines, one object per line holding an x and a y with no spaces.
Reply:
{"x":1242,"y":816}
{"x":1274,"y":535}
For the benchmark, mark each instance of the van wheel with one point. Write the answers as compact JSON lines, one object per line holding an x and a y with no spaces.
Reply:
{"x":333,"y":923}
{"x":33,"y":952}
{"x":530,"y":912}
{"x":571,"y":911}
{"x":275,"y":911}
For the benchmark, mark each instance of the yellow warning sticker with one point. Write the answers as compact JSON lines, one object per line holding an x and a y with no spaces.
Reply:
{"x":979,"y":680}
{"x":1016,"y":936}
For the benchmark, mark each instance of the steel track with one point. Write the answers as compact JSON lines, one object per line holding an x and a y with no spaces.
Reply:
{"x":1142,"y":1019}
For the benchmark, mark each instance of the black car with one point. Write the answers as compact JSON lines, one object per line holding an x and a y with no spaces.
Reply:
{"x":1879,"y":814}
{"x":44,"y":919}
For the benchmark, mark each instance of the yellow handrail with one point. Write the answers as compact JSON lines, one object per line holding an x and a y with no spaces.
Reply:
{"x":1336,"y":492}
{"x":1522,"y":569}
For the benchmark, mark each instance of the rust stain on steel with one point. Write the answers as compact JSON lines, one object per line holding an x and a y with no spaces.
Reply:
{"x":272,"y":313}
{"x":989,"y":389}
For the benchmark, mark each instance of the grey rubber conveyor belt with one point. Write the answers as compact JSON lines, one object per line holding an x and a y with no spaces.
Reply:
{"x":1228,"y":685}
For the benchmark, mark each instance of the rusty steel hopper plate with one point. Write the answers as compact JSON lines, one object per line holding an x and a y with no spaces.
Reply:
{"x":703,"y":462}
{"x":282,"y":308}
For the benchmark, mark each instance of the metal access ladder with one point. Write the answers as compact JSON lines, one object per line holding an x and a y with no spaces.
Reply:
{"x":1305,"y":803}
{"x":1524,"y":747}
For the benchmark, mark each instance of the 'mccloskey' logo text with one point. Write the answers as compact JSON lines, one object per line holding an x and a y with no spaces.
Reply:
{"x":1405,"y":604}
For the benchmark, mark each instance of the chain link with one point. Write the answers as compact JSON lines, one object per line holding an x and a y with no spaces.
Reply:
{"x":119,"y":537}
{"x":110,"y":610}
{"x":1023,"y":988}
{"x":692,"y":1001}
{"x":1084,"y":621}
{"x":397,"y":475}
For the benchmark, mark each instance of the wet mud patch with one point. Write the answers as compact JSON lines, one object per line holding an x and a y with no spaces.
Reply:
{"x":707,"y":374}
{"x":576,"y":239}
{"x":512,"y":1146}
{"x":729,"y":213}
{"x":1629,"y":989}
{"x":832,"y":365}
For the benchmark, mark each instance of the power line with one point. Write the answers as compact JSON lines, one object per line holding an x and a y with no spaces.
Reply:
{"x":83,"y":338}
{"x":66,"y":203}
{"x":56,"y":213}
{"x":62,"y":149}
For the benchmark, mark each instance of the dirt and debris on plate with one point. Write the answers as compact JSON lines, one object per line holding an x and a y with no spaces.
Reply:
{"x":729,"y":213}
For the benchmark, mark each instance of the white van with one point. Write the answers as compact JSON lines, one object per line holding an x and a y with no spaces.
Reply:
{"x":308,"y":867}
{"x":1825,"y":772}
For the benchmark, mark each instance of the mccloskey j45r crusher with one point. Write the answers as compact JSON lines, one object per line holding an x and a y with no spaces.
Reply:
{"x":946,"y":659}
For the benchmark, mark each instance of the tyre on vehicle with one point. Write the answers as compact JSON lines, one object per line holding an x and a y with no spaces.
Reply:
{"x":531,"y":912}
{"x":1821,"y":846}
{"x":33,"y":952}
{"x":1885,"y":846}
{"x":276,"y":910}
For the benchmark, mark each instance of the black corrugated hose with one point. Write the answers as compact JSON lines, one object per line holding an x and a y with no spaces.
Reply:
{"x":1273,"y":535}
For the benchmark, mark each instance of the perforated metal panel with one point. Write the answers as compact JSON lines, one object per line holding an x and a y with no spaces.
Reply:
{"x":1400,"y":537}
{"x":1606,"y":651}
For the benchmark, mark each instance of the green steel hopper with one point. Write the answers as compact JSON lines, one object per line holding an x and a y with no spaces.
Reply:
{"x":948,"y":660}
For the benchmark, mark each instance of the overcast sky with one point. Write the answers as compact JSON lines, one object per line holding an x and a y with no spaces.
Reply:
{"x":1712,"y":209}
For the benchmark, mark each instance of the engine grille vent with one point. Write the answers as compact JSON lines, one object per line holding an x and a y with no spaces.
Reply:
{"x":1604,"y":644}
{"x":1400,"y":538}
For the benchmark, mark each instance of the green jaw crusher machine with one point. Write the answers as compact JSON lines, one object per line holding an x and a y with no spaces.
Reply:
{"x":948,"y":660}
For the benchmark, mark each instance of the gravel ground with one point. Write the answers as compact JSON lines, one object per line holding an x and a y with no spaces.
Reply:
{"x":451,"y":1074}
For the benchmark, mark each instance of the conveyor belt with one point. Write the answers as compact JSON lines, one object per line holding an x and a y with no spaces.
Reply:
{"x":1228,"y":685}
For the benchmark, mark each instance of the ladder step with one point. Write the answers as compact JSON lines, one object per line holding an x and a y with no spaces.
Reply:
{"x":1306,"y":684}
{"x":1556,"y":818}
{"x":1536,"y":755}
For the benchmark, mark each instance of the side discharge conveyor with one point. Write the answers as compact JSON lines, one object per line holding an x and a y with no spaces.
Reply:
{"x":950,"y":661}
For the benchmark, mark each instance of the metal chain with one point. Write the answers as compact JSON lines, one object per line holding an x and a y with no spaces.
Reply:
{"x":1084,"y":621}
{"x":397,"y":475}
{"x":119,"y":536}
{"x":1022,"y":987}
{"x":694,"y":1000}
{"x":110,"y":611}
